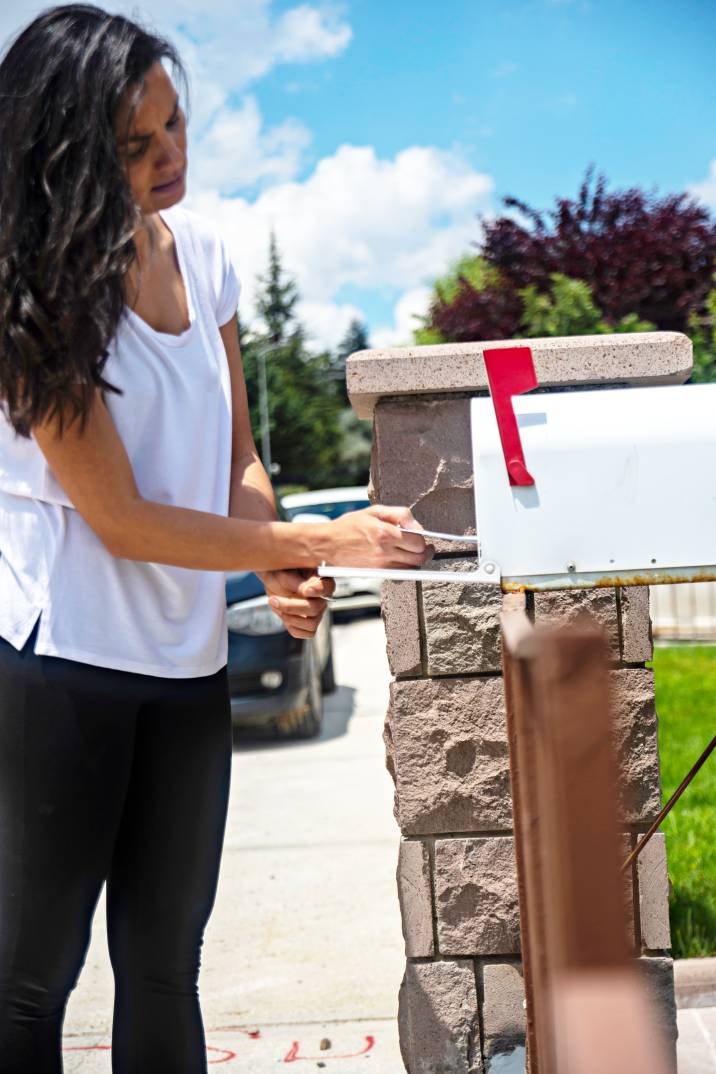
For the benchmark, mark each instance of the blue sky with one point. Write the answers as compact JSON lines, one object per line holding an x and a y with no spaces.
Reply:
{"x":370,"y":133}
{"x":530,"y":92}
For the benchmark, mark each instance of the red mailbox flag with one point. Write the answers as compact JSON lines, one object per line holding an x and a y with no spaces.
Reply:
{"x":510,"y":371}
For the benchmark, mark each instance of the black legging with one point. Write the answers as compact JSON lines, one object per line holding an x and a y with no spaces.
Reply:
{"x":114,"y":775}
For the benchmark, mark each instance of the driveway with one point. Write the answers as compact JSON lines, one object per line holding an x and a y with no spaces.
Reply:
{"x":304,"y":953}
{"x":303,"y":956}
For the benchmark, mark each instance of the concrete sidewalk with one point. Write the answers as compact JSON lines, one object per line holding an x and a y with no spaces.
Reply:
{"x":304,"y":953}
{"x":305,"y":943}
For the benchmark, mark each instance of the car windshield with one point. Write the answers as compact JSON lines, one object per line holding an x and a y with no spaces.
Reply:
{"x":333,"y":509}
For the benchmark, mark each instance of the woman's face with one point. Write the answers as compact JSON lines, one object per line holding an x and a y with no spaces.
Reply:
{"x":153,"y":151}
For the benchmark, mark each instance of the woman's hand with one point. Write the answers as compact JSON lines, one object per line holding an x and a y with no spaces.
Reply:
{"x":373,"y":538}
{"x":298,"y":598}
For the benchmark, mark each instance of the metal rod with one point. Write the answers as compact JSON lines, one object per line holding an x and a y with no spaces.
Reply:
{"x":444,"y":536}
{"x":669,"y":805}
{"x":264,"y":411}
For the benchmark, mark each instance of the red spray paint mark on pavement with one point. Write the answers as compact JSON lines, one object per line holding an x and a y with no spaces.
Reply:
{"x":253,"y":1034}
{"x":293,"y":1056}
{"x":226,"y":1055}
{"x":88,"y":1048}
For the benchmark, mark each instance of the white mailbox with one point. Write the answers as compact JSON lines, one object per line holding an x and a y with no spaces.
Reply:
{"x":581,"y":488}
{"x":624,"y":487}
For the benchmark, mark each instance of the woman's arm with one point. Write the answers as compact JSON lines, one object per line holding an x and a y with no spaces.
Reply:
{"x":297,"y":596}
{"x":95,"y":472}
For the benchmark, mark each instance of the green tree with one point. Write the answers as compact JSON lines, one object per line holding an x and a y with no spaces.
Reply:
{"x":277,"y":297}
{"x":304,"y":406}
{"x":624,"y":259}
{"x":470,"y":270}
{"x":354,"y":453}
{"x":355,"y":339}
{"x":702,"y":330}
{"x":568,"y":309}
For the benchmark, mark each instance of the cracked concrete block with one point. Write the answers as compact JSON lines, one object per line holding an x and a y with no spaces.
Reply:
{"x":399,"y":609}
{"x":637,"y":645}
{"x":504,"y":1018}
{"x":566,"y":605}
{"x":415,"y":898}
{"x":423,"y":460}
{"x":438,"y":1021}
{"x":654,"y":894}
{"x":462,"y":627}
{"x":446,"y":746}
{"x":476,"y":896}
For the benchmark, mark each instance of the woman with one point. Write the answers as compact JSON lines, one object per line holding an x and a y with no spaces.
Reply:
{"x":129,"y":483}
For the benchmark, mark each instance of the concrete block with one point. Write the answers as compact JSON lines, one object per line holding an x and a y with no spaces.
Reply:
{"x":659,"y":976}
{"x":415,"y":898}
{"x":462,"y":628}
{"x":636,"y":638}
{"x":626,"y":843}
{"x":476,"y":896}
{"x":566,"y":605}
{"x":437,"y":1018}
{"x":635,"y":736}
{"x":504,"y":1019}
{"x":617,"y":358}
{"x":632,"y":692}
{"x":423,"y":460}
{"x":446,"y":748}
{"x":654,"y":895}
{"x":399,"y":609}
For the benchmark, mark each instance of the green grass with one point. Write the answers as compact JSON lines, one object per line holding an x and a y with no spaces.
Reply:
{"x":685,"y":679}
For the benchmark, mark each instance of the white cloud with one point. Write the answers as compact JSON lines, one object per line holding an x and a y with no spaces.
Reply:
{"x":326,"y":323}
{"x":236,"y":152}
{"x":356,"y":220}
{"x":226,"y":47}
{"x":230,"y":43}
{"x":706,"y":190}
{"x":305,"y":32}
{"x":410,"y":306}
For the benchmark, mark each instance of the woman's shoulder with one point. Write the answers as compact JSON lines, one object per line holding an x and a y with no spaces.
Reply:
{"x":213,"y":259}
{"x":201,"y":228}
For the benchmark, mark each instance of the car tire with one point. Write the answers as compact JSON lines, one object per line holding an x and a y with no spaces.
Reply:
{"x":308,"y":721}
{"x":328,"y":675}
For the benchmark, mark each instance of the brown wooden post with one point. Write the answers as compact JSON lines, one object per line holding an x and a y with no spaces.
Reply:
{"x":574,"y":941}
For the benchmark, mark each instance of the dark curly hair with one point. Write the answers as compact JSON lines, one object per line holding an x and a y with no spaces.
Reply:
{"x":67,"y":215}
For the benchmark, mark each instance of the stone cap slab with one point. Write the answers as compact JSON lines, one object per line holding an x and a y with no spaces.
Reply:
{"x":621,"y":358}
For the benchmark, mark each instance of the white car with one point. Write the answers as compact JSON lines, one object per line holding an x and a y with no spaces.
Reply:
{"x":323,"y":506}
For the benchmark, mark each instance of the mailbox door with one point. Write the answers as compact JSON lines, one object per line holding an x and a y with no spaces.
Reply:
{"x":625,"y":481}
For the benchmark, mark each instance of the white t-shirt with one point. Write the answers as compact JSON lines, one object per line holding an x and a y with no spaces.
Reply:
{"x":175,"y":422}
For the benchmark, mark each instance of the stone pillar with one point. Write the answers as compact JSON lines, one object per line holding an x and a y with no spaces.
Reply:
{"x":461,"y":1003}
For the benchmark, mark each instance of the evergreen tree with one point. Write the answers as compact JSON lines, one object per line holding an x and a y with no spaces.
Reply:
{"x":354,"y":455}
{"x":355,"y":339}
{"x":277,"y":298}
{"x":304,"y":408}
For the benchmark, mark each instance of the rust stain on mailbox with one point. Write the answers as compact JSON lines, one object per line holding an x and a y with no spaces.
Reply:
{"x":607,"y":581}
